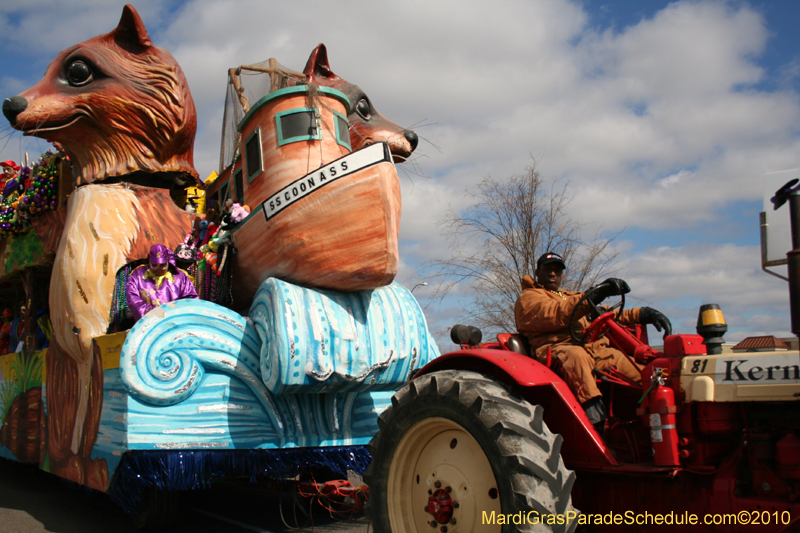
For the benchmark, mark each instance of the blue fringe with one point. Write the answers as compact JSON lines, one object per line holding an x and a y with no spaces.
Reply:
{"x":190,"y":469}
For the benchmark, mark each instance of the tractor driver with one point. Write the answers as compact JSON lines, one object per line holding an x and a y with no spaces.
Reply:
{"x":542,"y":314}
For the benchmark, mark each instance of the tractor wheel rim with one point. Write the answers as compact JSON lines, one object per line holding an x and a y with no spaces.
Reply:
{"x":441,"y":478}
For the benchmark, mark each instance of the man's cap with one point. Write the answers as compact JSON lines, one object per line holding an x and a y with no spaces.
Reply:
{"x":159,"y":254}
{"x":11,"y":164}
{"x":548,"y":258}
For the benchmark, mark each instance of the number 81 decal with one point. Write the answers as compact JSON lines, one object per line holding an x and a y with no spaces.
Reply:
{"x":699,"y":365}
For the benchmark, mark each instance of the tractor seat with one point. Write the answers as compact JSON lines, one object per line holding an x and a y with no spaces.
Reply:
{"x":519,"y":344}
{"x":514,"y":343}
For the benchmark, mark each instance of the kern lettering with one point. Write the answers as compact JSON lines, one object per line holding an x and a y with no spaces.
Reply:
{"x":739,"y":370}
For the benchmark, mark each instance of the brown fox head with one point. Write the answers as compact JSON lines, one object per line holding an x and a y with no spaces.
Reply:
{"x":116,"y":103}
{"x":366,"y":124}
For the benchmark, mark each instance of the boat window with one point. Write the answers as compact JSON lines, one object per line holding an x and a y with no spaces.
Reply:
{"x":297,"y":125}
{"x":252,"y":152}
{"x":342,"y":130}
{"x":238,"y":187}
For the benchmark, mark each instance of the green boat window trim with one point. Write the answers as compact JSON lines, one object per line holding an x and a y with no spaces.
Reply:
{"x":342,"y":130}
{"x":252,"y":153}
{"x":296,"y":125}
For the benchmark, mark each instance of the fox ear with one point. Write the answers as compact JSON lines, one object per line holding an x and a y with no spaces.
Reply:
{"x":317,"y":65}
{"x":131,"y":30}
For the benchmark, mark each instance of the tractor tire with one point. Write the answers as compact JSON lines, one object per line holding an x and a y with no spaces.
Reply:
{"x":457,"y":450}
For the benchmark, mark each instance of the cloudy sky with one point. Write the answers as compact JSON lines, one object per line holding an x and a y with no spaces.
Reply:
{"x":663,"y":116}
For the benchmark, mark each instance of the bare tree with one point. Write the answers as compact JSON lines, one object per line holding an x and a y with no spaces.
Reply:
{"x":497,"y":240}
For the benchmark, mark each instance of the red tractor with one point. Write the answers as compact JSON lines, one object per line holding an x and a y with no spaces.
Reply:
{"x":487,"y":438}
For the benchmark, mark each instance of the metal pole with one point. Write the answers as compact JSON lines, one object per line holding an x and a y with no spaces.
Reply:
{"x":793,"y":258}
{"x":423,"y":284}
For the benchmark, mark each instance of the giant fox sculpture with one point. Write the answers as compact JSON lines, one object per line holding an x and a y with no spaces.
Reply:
{"x":122,"y":110}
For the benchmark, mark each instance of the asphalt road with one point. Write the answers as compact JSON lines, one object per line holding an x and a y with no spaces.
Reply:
{"x":33,"y":501}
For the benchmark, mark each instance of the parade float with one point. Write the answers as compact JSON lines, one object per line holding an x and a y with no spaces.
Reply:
{"x":302,"y":337}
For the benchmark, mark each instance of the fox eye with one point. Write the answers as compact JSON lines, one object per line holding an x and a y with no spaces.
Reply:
{"x":79,"y":73}
{"x":363,"y":109}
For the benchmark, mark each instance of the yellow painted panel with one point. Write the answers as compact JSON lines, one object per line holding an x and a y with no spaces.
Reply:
{"x":110,"y":348}
{"x":5,"y":364}
{"x":7,"y":360}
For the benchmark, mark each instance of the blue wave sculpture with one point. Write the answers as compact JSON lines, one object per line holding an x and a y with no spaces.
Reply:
{"x":321,"y":365}
{"x":166,"y":354}
{"x":318,"y":340}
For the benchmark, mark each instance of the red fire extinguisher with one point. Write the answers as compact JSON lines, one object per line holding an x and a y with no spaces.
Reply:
{"x":663,"y":433}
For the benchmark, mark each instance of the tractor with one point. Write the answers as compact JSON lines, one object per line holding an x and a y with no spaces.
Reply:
{"x":487,"y":438}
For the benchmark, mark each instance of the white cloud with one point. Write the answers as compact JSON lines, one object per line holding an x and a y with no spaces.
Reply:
{"x":688,"y":49}
{"x":678,"y":280}
{"x":659,"y":125}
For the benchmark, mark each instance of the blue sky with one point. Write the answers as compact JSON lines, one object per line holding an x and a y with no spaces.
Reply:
{"x":663,"y":116}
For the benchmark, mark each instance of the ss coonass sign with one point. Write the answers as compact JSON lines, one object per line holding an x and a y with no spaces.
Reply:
{"x":302,"y":187}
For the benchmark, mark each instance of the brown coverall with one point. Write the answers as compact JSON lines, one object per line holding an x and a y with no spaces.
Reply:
{"x":543,"y":317}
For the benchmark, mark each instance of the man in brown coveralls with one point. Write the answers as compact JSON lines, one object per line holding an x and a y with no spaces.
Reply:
{"x":542,"y":314}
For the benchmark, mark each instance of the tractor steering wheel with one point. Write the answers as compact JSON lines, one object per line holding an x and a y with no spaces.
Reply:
{"x":579,"y":337}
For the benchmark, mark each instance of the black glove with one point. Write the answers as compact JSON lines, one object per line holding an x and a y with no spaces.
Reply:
{"x":648,"y":315}
{"x":610,"y":287}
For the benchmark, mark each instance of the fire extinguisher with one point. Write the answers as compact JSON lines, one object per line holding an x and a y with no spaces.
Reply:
{"x":663,"y":433}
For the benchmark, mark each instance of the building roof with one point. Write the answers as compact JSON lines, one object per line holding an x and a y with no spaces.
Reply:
{"x":766,"y":342}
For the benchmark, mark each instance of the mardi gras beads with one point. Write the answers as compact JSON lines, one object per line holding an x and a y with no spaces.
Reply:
{"x":41,"y":194}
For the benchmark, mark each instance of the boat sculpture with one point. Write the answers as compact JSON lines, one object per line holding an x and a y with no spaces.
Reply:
{"x":322,"y":216}
{"x":289,"y":377}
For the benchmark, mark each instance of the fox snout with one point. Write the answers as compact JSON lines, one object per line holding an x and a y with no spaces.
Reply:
{"x":375,"y":128}
{"x":13,"y":106}
{"x":412,"y":138}
{"x":401,"y":142}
